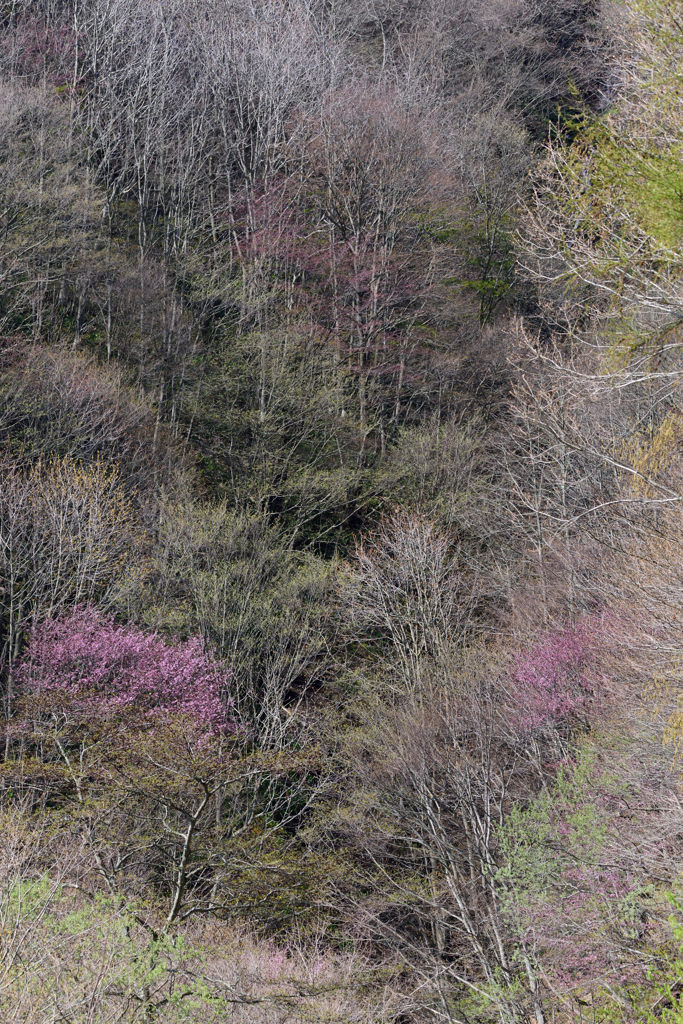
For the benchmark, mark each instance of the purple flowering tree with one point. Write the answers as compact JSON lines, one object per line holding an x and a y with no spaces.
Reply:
{"x":135,"y":739}
{"x":86,"y":662}
{"x":556,"y":682}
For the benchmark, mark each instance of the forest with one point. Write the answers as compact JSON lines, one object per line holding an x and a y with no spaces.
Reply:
{"x":341,"y":551}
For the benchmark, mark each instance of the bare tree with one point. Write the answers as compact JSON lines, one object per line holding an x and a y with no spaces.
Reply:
{"x":411,"y":597}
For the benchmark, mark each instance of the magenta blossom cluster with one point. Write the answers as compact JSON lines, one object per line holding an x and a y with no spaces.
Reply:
{"x":553,"y":683}
{"x":87,"y":660}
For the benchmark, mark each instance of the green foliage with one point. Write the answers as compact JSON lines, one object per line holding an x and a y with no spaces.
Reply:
{"x":96,"y":959}
{"x":27,"y":898}
{"x":619,"y":182}
{"x":664,"y":992}
{"x":534,"y":852}
{"x":569,"y":889}
{"x":491,"y":262}
{"x":607,"y":219}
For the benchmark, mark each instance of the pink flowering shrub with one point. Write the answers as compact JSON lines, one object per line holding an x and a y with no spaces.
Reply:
{"x":554,"y":682}
{"x":88,"y":662}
